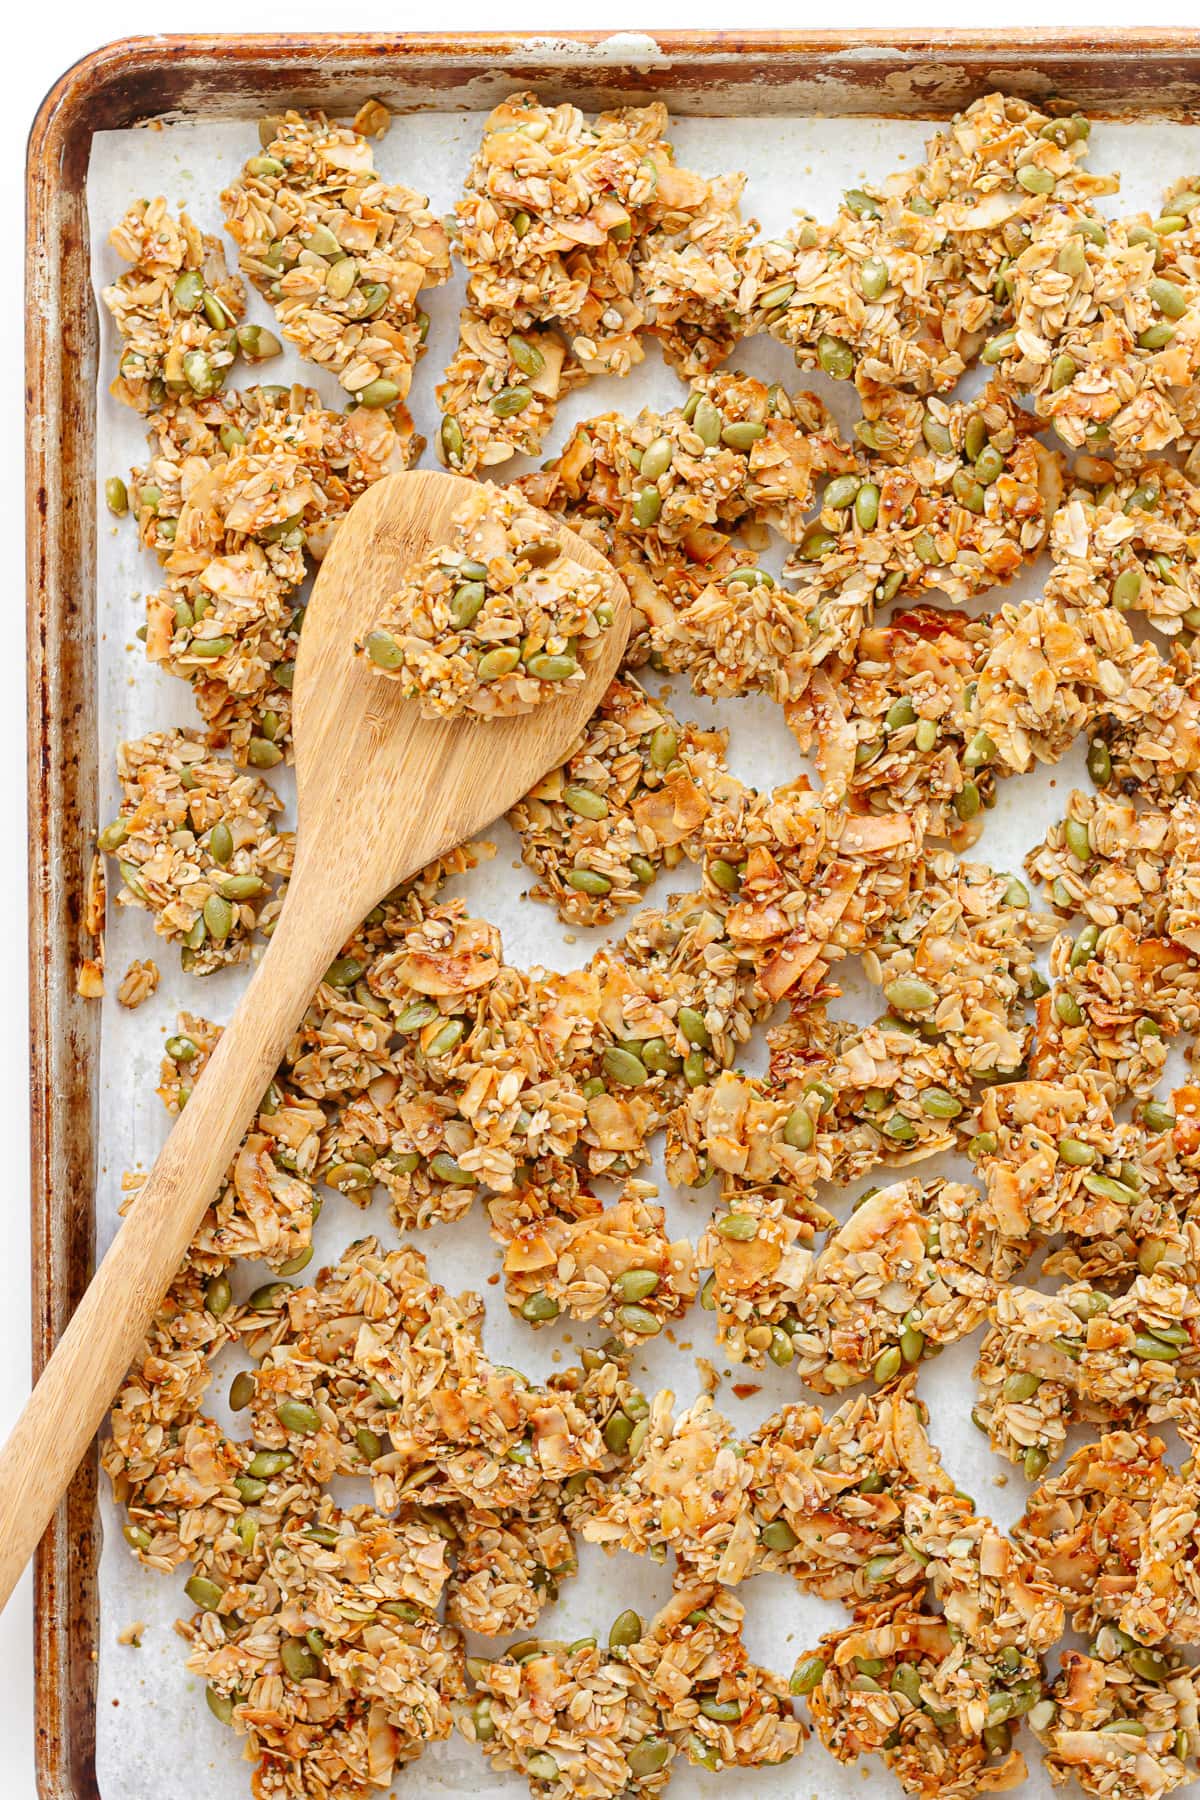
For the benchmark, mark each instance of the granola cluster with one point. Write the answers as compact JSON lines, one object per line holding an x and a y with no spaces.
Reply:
{"x":1017,"y":1020}
{"x":343,"y":255}
{"x":497,"y":620}
{"x":578,"y":239}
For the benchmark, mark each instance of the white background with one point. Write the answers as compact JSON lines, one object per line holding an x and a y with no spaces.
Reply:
{"x":39,"y":46}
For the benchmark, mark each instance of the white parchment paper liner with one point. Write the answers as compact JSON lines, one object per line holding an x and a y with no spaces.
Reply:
{"x":156,"y":1739}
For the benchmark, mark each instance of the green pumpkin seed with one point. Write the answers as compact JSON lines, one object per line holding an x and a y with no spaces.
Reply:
{"x":210,"y":647}
{"x":241,"y":887}
{"x":256,"y":344}
{"x":861,"y":203}
{"x":798,"y":1129}
{"x":551,"y":668}
{"x":1148,"y":1664}
{"x":772,"y":298}
{"x":939,"y":1104}
{"x":1072,"y":1151}
{"x":539,"y":1307}
{"x":494,"y":665}
{"x":781,"y":1350}
{"x":298,"y":1660}
{"x":204,"y":1593}
{"x":1072,"y":258}
{"x":979,"y":751}
{"x":270,"y":1295}
{"x":587,"y":881}
{"x":840,"y":493}
{"x":263,"y":754}
{"x":218,"y":1296}
{"x":241,"y":1390}
{"x":638,"y":1320}
{"x":465,"y":604}
{"x":585,"y":802}
{"x":188,"y":292}
{"x":1067,"y":1008}
{"x":778,"y":1535}
{"x":807,"y":1675}
{"x":647,"y":507}
{"x":383,"y":650}
{"x":868,"y":506}
{"x":1158,"y":1117}
{"x":623,"y":1066}
{"x":444,"y":1167}
{"x":912,"y":1344}
{"x":1099,"y":762}
{"x":451,"y":439}
{"x":1035,"y":180}
{"x":707,"y":422}
{"x":740,"y":1227}
{"x":887,"y":1365}
{"x":617,"y":1432}
{"x":742,"y":433}
{"x":296,"y":1415}
{"x":1148,"y":1348}
{"x":997,"y":348}
{"x":199,"y":373}
{"x":1078,"y":839}
{"x":967,"y":491}
{"x":378,"y":393}
{"x":116,"y":496}
{"x":1170,"y":300}
{"x":270,"y":1462}
{"x":656,"y":458}
{"x":218,"y":917}
{"x":691,"y":1024}
{"x":899,"y":714}
{"x":907,"y":994}
{"x":626,"y":1629}
{"x":873,"y":278}
{"x":648,"y":1756}
{"x":219,"y":1705}
{"x":1062,"y":372}
{"x":900,"y":1130}
{"x":835,"y":356}
{"x":636,"y":1284}
{"x":723,"y":1712}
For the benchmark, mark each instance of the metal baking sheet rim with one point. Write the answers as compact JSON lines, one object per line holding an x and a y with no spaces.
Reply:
{"x":141,"y":79}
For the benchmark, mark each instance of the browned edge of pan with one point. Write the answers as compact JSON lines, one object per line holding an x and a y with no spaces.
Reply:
{"x":917,"y":73}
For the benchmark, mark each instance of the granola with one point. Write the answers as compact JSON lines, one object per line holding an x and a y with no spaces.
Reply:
{"x":1022,"y":1018}
{"x":496,"y":621}
{"x":343,"y":255}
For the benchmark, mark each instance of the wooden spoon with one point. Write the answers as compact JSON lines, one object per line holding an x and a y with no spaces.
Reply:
{"x":382,"y":791}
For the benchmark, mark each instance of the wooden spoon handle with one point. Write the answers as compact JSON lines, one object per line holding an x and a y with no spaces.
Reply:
{"x":91,"y":1358}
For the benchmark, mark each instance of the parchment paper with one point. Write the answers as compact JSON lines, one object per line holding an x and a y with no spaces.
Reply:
{"x":155,"y":1737}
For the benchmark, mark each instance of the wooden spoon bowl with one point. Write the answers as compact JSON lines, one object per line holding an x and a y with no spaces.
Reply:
{"x":382,"y":791}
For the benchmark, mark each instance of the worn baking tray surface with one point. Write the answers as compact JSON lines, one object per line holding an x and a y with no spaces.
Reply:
{"x":151,"y":1720}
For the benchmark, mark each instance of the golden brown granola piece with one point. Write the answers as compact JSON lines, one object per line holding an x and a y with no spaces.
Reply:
{"x":195,"y":846}
{"x":1125,"y":1726}
{"x":342,"y":254}
{"x":898,"y":1684}
{"x":495,"y":621}
{"x":629,"y":801}
{"x":176,"y":308}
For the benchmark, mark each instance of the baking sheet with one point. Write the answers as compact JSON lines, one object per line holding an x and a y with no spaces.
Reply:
{"x":152,"y":1722}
